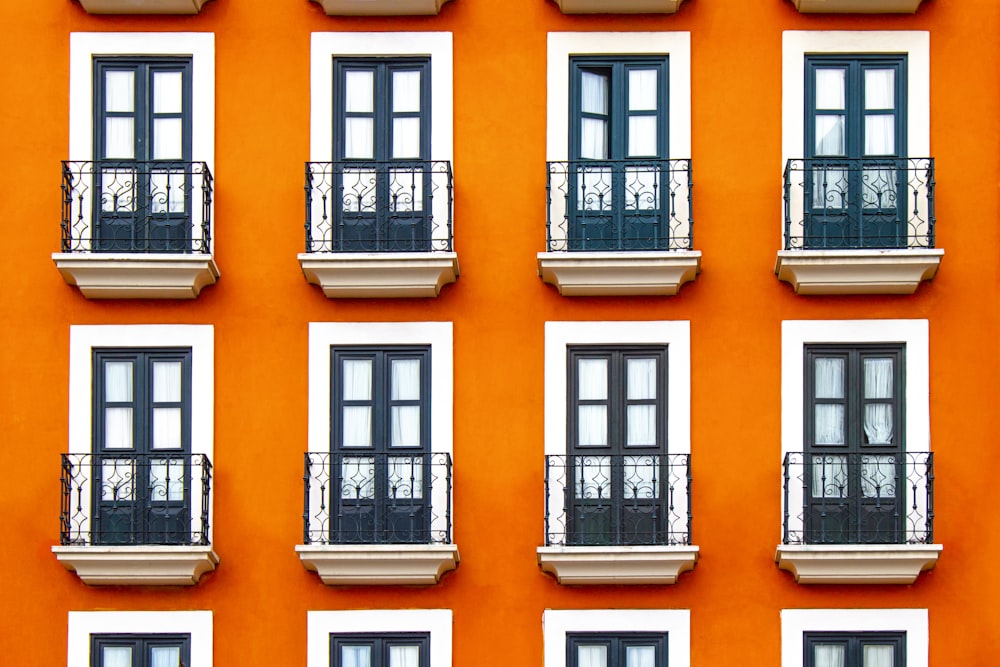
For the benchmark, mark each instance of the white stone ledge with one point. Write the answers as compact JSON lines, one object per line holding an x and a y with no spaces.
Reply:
{"x":857,"y":271}
{"x":617,"y":565}
{"x":153,"y":565}
{"x":381,"y":7}
{"x":380,"y":275}
{"x":143,"y":6}
{"x":137,"y":275}
{"x":857,"y":563}
{"x":857,"y":6}
{"x":639,"y":273}
{"x":379,"y":564}
{"x":619,"y":6}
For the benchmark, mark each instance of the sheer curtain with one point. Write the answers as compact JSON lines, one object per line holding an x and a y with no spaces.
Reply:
{"x":641,"y":378}
{"x":404,"y":656}
{"x":118,"y":420}
{"x":878,"y":416}
{"x":879,"y":189}
{"x":878,"y":656}
{"x":828,"y":655}
{"x":165,"y":656}
{"x":829,"y":384}
{"x":116,"y":656}
{"x":594,"y":131}
{"x":357,"y":419}
{"x":166,"y":389}
{"x":405,"y":387}
{"x":830,"y":185}
{"x":592,"y":420}
{"x":355,"y":656}
{"x":640,"y":656}
{"x":592,"y":656}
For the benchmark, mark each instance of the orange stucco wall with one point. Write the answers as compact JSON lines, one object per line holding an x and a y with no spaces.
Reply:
{"x":261,"y":308}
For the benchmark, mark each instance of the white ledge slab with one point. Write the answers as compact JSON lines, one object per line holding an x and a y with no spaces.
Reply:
{"x":380,"y":275}
{"x":617,"y":565}
{"x":152,"y":565}
{"x":857,"y":6}
{"x":857,"y":563}
{"x":857,"y":271}
{"x":619,"y":273}
{"x":379,"y":564}
{"x":619,"y":6}
{"x":381,"y":7}
{"x":137,"y":275}
{"x":143,"y":6}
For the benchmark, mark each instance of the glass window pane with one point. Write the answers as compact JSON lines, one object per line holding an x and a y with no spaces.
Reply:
{"x":116,"y":656}
{"x":641,"y":429}
{"x":592,"y":426}
{"x":830,"y":86}
{"x":166,"y":428}
{"x":640,"y":656}
{"x":878,"y":476}
{"x":880,"y":135}
{"x":592,"y":656}
{"x":641,"y":379}
{"x":642,"y":189}
{"x":829,"y":135}
{"x":167,"y":191}
{"x":829,"y":382}
{"x":117,"y":190}
{"x":168,"y":92}
{"x":878,"y":655}
{"x":406,"y":190}
{"x":406,"y":477}
{"x":357,"y":379}
{"x":878,"y":423}
{"x":594,"y":93}
{"x":592,"y":377}
{"x":357,"y":426}
{"x":118,"y":381}
{"x":829,"y":477}
{"x":642,"y":136}
{"x":359,"y":91}
{"x":829,"y":424}
{"x":593,"y":477}
{"x":357,"y":478}
{"x":878,"y":378}
{"x":596,"y":193}
{"x":406,"y":91}
{"x":119,"y":91}
{"x":642,"y":89}
{"x":355,"y":656}
{"x":406,"y":137}
{"x":880,"y":88}
{"x":359,"y":138}
{"x":168,"y":142}
{"x":405,"y":379}
{"x":405,"y":426}
{"x":166,"y":480}
{"x":118,"y":428}
{"x":593,"y":139}
{"x":640,"y":475}
{"x":166,"y":381}
{"x":119,"y":138}
{"x":117,"y":479}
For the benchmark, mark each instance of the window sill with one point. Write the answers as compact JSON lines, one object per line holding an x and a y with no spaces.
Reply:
{"x":857,"y":6}
{"x":857,"y":271}
{"x":381,"y":7}
{"x":137,"y":565}
{"x":574,"y":566}
{"x":380,"y":275}
{"x":379,"y":564}
{"x":857,"y":563}
{"x":619,"y":6}
{"x":142,"y":6}
{"x":138,"y":275}
{"x":640,"y":273}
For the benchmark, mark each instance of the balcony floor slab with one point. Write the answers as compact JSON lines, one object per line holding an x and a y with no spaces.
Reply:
{"x":857,"y":563}
{"x":149,"y":565}
{"x":137,"y":275}
{"x":617,"y":565}
{"x":380,"y":275}
{"x":639,"y":273}
{"x":379,"y":564}
{"x":857,"y":271}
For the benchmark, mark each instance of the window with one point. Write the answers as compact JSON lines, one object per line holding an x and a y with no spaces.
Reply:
{"x":870,"y":649}
{"x":142,"y":446}
{"x":617,"y":441}
{"x":623,"y":650}
{"x":380,"y":441}
{"x":617,"y":638}
{"x":400,"y":650}
{"x":856,"y":143}
{"x":855,"y":442}
{"x":141,"y":650}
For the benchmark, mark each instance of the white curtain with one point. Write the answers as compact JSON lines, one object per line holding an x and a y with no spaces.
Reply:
{"x":641,"y":380}
{"x":359,"y":132}
{"x":165,"y":656}
{"x":641,"y":477}
{"x":829,"y":418}
{"x":829,"y":477}
{"x":592,"y":422}
{"x":596,"y":193}
{"x":117,"y":479}
{"x":406,"y":477}
{"x":116,"y":656}
{"x":118,"y":389}
{"x":594,"y":131}
{"x":406,"y":190}
{"x":168,"y":93}
{"x":878,"y":385}
{"x":642,"y":189}
{"x":878,"y":656}
{"x":593,"y":477}
{"x":405,"y":426}
{"x":166,"y":389}
{"x":640,"y":656}
{"x":880,"y":129}
{"x":404,"y":656}
{"x":828,"y":655}
{"x":642,"y":130}
{"x":119,"y":132}
{"x":167,"y":190}
{"x":405,"y":382}
{"x":878,"y":476}
{"x":592,"y":656}
{"x":355,"y":656}
{"x":357,"y":480}
{"x":357,"y":386}
{"x":166,"y":480}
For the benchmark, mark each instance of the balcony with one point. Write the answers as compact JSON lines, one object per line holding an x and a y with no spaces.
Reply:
{"x":858,"y":226}
{"x":857,"y":6}
{"x":617,"y":519}
{"x":137,"y":230}
{"x":142,"y":6}
{"x":381,"y":7}
{"x":379,"y":229}
{"x":377,"y":519}
{"x":136,"y":518}
{"x":619,"y":228}
{"x":858,"y":518}
{"x":619,"y":6}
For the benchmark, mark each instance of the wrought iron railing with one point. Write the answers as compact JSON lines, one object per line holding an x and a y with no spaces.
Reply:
{"x":360,"y":498}
{"x":615,"y":205}
{"x":859,"y":498}
{"x":845,"y":203}
{"x":123,"y":206}
{"x":617,"y":500}
{"x":379,"y":206}
{"x":135,"y":499}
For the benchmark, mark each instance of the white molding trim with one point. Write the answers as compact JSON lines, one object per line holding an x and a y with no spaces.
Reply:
{"x":381,"y":7}
{"x":857,"y":6}
{"x":857,"y":271}
{"x":84,"y":624}
{"x":153,"y":565}
{"x":321,"y":624}
{"x":675,"y":623}
{"x":796,"y":622}
{"x":617,"y":565}
{"x":137,"y":276}
{"x":142,"y":6}
{"x":857,"y":563}
{"x":380,"y":275}
{"x":379,"y":564}
{"x":619,"y":273}
{"x":619,"y":6}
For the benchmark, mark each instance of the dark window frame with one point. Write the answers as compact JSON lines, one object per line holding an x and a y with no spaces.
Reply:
{"x":617,"y":644}
{"x":854,"y":643}
{"x":140,"y":644}
{"x":380,"y":644}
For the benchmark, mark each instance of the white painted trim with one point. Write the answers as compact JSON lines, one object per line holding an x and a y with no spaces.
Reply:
{"x":676,"y":623}
{"x":795,"y":622}
{"x":322,"y":624}
{"x":561,"y":45}
{"x":83,"y":624}
{"x":328,"y":45}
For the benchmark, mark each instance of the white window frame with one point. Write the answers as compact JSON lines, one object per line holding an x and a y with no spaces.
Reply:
{"x":796,"y":622}
{"x":199,"y":46}
{"x":200,"y":338}
{"x":84,"y":624}
{"x":435,"y":622}
{"x":675,"y":623}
